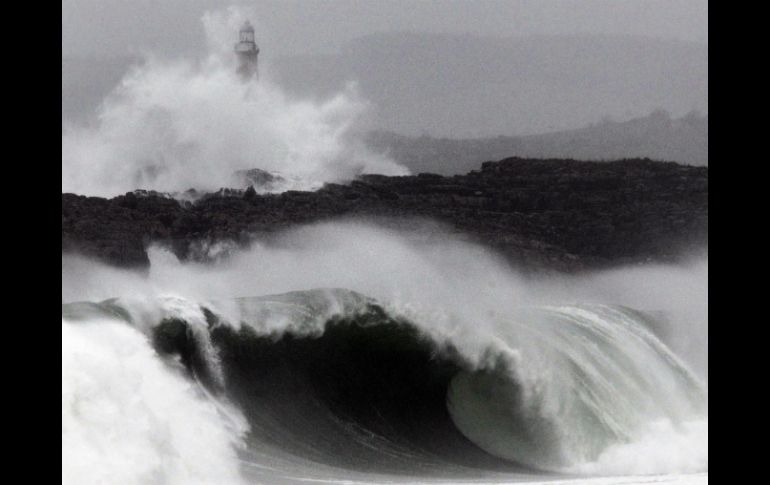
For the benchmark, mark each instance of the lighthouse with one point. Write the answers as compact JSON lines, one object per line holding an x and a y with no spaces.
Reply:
{"x":247,"y":51}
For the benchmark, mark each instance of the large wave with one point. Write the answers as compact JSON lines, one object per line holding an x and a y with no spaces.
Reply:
{"x":176,"y":125}
{"x":335,"y":378}
{"x":442,"y":362}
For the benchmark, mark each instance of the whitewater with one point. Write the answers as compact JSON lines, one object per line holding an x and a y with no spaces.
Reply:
{"x":177,"y":124}
{"x":344,"y":352}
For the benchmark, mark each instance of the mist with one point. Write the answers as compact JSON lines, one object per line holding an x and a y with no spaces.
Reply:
{"x":448,"y":280}
{"x":456,"y":69}
{"x":297,"y":27}
{"x":181,"y":124}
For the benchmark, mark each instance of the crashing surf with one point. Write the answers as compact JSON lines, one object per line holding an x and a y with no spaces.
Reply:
{"x":334,"y":378}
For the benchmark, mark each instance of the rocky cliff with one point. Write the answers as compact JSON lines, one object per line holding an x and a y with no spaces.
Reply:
{"x":562,"y":215}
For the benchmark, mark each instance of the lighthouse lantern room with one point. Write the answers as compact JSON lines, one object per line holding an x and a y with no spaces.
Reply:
{"x":247,"y":51}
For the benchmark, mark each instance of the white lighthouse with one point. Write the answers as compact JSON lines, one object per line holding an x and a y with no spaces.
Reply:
{"x":247,"y":51}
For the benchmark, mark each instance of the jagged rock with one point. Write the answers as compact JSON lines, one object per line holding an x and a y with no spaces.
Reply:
{"x":261,"y":180}
{"x":250,"y":193}
{"x":541,"y":214}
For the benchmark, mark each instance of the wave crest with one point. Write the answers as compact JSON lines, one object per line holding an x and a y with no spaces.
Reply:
{"x":565,"y":389}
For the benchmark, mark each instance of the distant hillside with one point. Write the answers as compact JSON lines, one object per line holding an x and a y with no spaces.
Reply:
{"x":463,"y":86}
{"x":656,"y":136}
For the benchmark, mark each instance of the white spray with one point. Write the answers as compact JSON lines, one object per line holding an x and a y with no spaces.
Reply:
{"x":128,"y":418}
{"x":455,"y":291}
{"x":175,"y":125}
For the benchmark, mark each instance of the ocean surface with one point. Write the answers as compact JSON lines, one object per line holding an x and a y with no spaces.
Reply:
{"x":330,"y":385}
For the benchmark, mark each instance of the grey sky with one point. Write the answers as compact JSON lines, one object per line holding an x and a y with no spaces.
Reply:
{"x":106,"y":28}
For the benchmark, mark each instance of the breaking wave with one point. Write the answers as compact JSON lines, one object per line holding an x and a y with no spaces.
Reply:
{"x":332,"y":379}
{"x":176,"y":125}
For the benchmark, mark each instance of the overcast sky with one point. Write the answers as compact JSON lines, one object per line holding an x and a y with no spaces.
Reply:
{"x":106,"y":28}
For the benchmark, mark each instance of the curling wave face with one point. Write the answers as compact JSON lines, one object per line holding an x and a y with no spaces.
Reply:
{"x":332,"y":379}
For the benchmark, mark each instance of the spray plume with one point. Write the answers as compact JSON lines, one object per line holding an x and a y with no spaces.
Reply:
{"x":175,"y":125}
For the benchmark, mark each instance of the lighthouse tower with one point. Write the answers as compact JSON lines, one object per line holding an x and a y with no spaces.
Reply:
{"x":247,"y":51}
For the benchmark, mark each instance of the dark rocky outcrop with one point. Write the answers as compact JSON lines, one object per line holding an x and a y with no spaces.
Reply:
{"x":540,"y":214}
{"x":256,"y":177}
